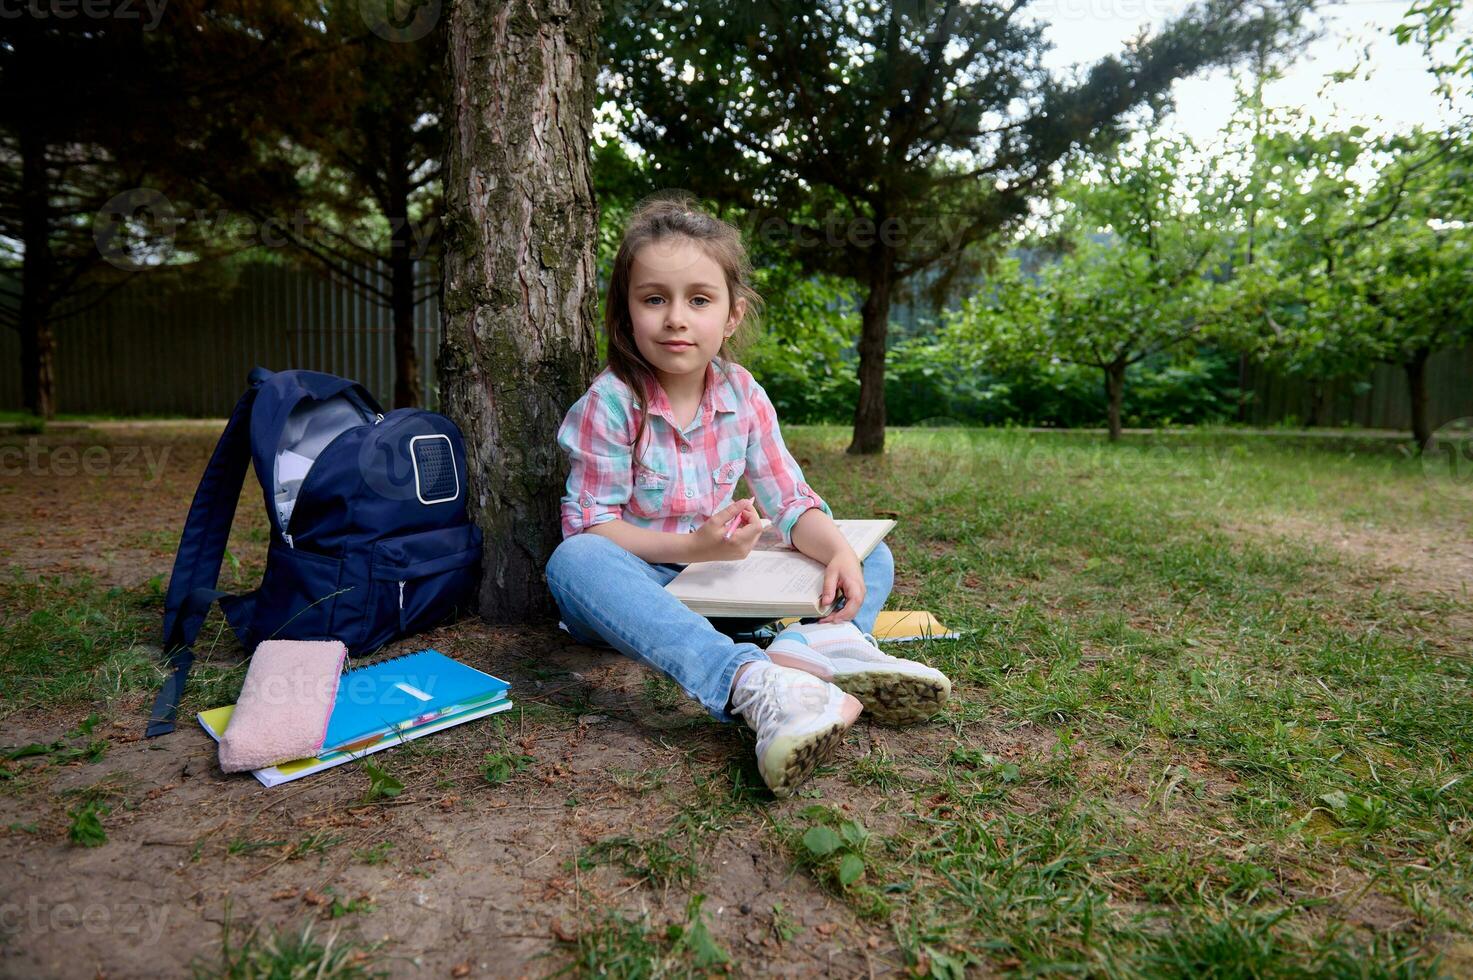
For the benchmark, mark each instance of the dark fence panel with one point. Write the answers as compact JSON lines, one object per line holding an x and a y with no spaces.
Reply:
{"x":149,"y":351}
{"x":1383,"y":404}
{"x":187,"y":352}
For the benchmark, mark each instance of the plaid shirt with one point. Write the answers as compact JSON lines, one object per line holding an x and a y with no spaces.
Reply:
{"x":686,"y":474}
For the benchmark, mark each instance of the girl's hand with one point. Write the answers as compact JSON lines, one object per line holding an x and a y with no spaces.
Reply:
{"x":843,"y":575}
{"x":708,"y":542}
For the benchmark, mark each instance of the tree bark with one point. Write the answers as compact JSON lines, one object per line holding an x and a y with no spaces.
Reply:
{"x":1115,"y":395}
{"x":520,"y":279}
{"x":37,"y":344}
{"x":869,"y":413}
{"x":1416,"y":368}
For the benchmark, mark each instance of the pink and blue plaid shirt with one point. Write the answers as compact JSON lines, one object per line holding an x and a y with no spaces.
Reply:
{"x":685,"y":475}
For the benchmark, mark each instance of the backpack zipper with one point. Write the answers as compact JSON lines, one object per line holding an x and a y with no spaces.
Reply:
{"x":288,"y":539}
{"x":401,"y":595}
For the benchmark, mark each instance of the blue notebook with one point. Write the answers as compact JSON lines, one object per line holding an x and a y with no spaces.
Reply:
{"x":404,"y":691}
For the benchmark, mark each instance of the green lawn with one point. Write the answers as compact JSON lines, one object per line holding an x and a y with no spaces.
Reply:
{"x":1212,"y":716}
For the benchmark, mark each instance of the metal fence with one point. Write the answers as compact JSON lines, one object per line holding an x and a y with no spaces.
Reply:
{"x":144,"y":351}
{"x":1381,"y":401}
{"x":150,"y":351}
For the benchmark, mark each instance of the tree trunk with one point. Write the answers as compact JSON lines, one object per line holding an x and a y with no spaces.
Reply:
{"x":1115,"y":395}
{"x":407,"y":393}
{"x":37,"y":345}
{"x":520,"y":277}
{"x":869,"y":414}
{"x":1316,"y":404}
{"x":1416,"y":369}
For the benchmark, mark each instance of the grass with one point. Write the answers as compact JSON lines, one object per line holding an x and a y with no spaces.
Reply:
{"x":286,"y":953}
{"x":1217,"y":721}
{"x":1189,"y":736}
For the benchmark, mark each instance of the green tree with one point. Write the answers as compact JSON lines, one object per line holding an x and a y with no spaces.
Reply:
{"x":1138,"y":235}
{"x":336,"y":153}
{"x":86,"y":173}
{"x":1431,"y":23}
{"x":1370,"y":259}
{"x":907,"y":134}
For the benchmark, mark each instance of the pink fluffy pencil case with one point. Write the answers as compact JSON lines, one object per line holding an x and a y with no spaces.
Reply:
{"x":284,"y":704}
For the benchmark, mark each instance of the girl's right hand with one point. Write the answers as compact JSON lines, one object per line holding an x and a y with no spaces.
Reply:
{"x":707,"y":541}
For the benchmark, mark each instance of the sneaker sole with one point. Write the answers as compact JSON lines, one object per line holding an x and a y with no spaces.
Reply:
{"x":894,"y":697}
{"x":891,"y":697}
{"x":791,"y":760}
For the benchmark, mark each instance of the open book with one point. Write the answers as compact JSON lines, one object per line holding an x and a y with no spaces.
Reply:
{"x":773,"y":580}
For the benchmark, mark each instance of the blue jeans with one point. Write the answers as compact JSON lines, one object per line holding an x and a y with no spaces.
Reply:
{"x":608,"y":595}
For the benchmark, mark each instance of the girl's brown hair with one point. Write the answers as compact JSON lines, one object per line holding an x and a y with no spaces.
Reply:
{"x":657,"y":219}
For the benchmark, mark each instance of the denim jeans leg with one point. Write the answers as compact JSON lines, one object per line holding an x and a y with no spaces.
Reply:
{"x":879,"y":579}
{"x":604,"y":589}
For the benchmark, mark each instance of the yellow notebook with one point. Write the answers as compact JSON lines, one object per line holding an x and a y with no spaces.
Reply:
{"x":215,"y":720}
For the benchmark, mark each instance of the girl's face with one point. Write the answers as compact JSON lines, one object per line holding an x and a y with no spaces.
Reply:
{"x":680,"y":308}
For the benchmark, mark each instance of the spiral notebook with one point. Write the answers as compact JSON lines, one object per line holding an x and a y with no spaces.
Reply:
{"x":403,"y":692}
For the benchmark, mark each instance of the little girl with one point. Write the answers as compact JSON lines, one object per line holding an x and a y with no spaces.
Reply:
{"x":632,"y":518}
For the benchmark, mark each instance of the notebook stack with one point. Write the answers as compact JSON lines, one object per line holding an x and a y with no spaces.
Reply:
{"x":385,"y":704}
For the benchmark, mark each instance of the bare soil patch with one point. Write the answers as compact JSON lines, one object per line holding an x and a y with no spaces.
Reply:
{"x":475,"y":878}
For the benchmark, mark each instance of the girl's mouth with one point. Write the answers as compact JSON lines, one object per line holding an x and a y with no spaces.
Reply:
{"x":676,"y":345}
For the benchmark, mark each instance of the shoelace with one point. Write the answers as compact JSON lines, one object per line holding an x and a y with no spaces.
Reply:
{"x":760,"y":707}
{"x":768,"y":697}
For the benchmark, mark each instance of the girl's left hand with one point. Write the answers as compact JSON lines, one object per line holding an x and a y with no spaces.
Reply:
{"x":845,"y":575}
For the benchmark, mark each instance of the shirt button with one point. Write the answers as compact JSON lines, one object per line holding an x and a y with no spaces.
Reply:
{"x":684,"y":447}
{"x":690,"y":491}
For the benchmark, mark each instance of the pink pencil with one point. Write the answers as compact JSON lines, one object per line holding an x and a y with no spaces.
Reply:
{"x":732,"y":525}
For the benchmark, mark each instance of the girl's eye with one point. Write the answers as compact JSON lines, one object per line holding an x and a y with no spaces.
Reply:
{"x":652,"y":299}
{"x":702,"y":300}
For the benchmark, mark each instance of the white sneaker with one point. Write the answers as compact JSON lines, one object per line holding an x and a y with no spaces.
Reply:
{"x":798,"y":719}
{"x":893,"y":690}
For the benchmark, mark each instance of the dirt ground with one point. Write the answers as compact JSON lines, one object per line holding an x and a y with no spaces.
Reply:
{"x":1432,"y":563}
{"x":479,"y":879}
{"x":455,"y":876}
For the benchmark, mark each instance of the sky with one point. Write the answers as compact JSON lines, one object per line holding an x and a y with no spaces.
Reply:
{"x":1397,"y":94}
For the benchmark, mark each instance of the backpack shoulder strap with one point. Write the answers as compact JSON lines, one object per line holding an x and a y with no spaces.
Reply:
{"x":201,"y":549}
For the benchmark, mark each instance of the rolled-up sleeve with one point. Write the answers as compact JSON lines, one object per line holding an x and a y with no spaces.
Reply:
{"x":599,"y":474}
{"x":772,"y":472}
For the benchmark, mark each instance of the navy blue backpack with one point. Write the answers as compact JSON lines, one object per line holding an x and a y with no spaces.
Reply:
{"x":370,"y":539}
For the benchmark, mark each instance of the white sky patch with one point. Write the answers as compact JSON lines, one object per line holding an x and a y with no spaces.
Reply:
{"x":1393,"y":93}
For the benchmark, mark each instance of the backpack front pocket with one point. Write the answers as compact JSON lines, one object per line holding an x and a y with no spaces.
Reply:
{"x":297,"y":596}
{"x":418,"y":580}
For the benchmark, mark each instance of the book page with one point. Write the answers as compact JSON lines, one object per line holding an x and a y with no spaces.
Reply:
{"x":771,"y":579}
{"x":862,"y":535}
{"x":761,"y":576}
